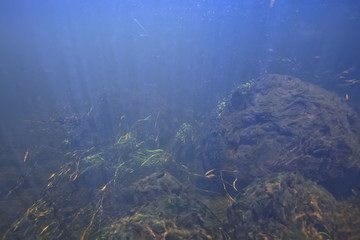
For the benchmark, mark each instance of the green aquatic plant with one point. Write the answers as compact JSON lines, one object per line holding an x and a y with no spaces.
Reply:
{"x":154,"y":154}
{"x":134,"y":153}
{"x":326,"y":235}
{"x":92,"y":161}
{"x":148,"y":157}
{"x":121,"y":140}
{"x":221,"y":106}
{"x":245,"y":87}
{"x":136,"y":160}
{"x":94,"y":157}
{"x":185,"y":132}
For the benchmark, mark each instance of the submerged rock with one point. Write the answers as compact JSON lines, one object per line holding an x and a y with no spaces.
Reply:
{"x":281,"y":124}
{"x":164,"y":210}
{"x":287,"y":206}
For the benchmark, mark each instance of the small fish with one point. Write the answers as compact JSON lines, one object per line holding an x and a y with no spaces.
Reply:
{"x":26,"y":156}
{"x":347,"y":97}
{"x":209,"y":172}
{"x":104,"y":187}
{"x":234,"y":184}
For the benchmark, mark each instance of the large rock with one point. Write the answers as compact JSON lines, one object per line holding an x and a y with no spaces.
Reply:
{"x":287,"y":206}
{"x":281,"y":124}
{"x":164,"y":210}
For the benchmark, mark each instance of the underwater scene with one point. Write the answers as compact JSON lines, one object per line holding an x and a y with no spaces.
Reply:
{"x":179,"y":119}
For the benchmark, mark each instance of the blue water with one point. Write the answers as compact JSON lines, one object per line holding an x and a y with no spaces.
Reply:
{"x":54,"y":51}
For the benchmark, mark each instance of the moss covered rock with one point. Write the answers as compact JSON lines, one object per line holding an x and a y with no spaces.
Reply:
{"x":280,"y":123}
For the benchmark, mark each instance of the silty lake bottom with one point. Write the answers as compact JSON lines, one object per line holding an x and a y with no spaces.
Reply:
{"x":278,"y":158}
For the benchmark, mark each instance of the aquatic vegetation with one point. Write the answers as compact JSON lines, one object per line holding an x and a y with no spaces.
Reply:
{"x":147,"y":157}
{"x":237,"y":99}
{"x":155,"y":157}
{"x":121,"y":140}
{"x":184,"y":133}
{"x":94,"y":157}
{"x":41,"y":216}
{"x":221,"y":106}
{"x":125,"y":157}
{"x":245,"y":87}
{"x":92,"y":161}
{"x":326,"y":235}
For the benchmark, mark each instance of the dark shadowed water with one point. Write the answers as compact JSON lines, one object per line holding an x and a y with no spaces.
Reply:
{"x":77,"y":75}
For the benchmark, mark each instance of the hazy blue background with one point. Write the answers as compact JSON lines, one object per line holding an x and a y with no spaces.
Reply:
{"x":58,"y":56}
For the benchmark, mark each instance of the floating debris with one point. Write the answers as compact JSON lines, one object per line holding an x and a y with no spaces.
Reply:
{"x":44,"y":229}
{"x":52,"y":175}
{"x":209,"y":171}
{"x":210,"y":176}
{"x":26,"y":156}
{"x":234,"y":184}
